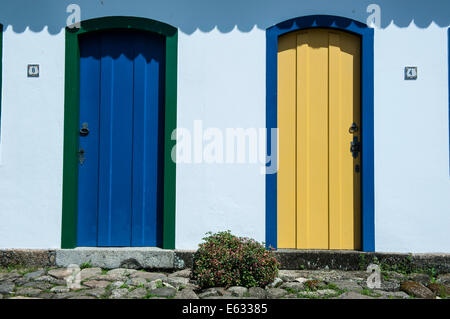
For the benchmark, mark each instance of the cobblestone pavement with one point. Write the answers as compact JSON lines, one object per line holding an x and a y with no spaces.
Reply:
{"x":121,"y":283}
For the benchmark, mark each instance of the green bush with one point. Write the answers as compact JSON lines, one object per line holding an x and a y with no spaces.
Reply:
{"x":225,"y":260}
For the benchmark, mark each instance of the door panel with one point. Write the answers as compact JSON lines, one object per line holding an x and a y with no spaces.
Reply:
{"x":115,"y":149}
{"x":344,"y":183}
{"x":312,"y":140}
{"x":122,"y":100}
{"x":287,"y":182}
{"x":148,"y":147}
{"x":90,"y":54}
{"x":318,"y":100}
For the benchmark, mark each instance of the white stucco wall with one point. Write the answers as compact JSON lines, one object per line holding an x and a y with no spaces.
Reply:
{"x":412,"y":181}
{"x":31,"y":140}
{"x":221,"y":80}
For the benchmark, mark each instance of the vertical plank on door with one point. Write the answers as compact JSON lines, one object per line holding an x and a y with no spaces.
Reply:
{"x":338,"y":143}
{"x":355,"y":45}
{"x":344,"y":110}
{"x":312,"y":139}
{"x":88,"y":171}
{"x":149,"y":66}
{"x":350,"y":57}
{"x":116,"y":135}
{"x":286,"y":177}
{"x":302,"y":142}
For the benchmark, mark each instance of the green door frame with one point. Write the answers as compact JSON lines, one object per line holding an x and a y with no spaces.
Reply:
{"x":71,"y":120}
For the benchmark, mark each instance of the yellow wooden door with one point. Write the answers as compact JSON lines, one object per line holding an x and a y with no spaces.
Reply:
{"x":318,"y":178}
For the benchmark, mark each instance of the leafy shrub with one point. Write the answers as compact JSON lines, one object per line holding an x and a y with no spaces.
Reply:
{"x":225,"y":260}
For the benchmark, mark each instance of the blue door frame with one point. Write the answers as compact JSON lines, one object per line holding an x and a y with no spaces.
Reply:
{"x":367,"y":123}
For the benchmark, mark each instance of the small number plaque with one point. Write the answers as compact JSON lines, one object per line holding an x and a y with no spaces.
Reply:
{"x":411,"y":73}
{"x":33,"y":70}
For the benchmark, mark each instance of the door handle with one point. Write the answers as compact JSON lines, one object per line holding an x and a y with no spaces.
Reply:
{"x":355,"y":147}
{"x":353,"y":128}
{"x":84,"y":130}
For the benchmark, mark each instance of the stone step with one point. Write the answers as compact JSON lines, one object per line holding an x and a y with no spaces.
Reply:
{"x":157,"y":258}
{"x":110,"y":258}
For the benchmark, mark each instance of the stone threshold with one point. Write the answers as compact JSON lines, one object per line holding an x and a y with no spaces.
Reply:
{"x":153,"y":258}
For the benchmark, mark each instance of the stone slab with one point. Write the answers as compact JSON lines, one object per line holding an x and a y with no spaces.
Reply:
{"x":27,"y":257}
{"x":357,"y":260}
{"x":110,"y":258}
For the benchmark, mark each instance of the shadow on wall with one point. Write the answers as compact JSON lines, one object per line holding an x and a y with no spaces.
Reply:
{"x":225,"y":15}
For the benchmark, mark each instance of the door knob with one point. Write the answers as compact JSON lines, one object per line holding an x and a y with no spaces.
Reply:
{"x":353,"y":128}
{"x":355,"y":147}
{"x":84,"y":130}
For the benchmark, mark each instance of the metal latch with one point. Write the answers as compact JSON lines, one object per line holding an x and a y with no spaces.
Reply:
{"x":81,"y":157}
{"x":355,"y":147}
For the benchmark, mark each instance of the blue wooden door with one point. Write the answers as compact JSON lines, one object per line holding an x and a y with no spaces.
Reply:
{"x":120,"y":160}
